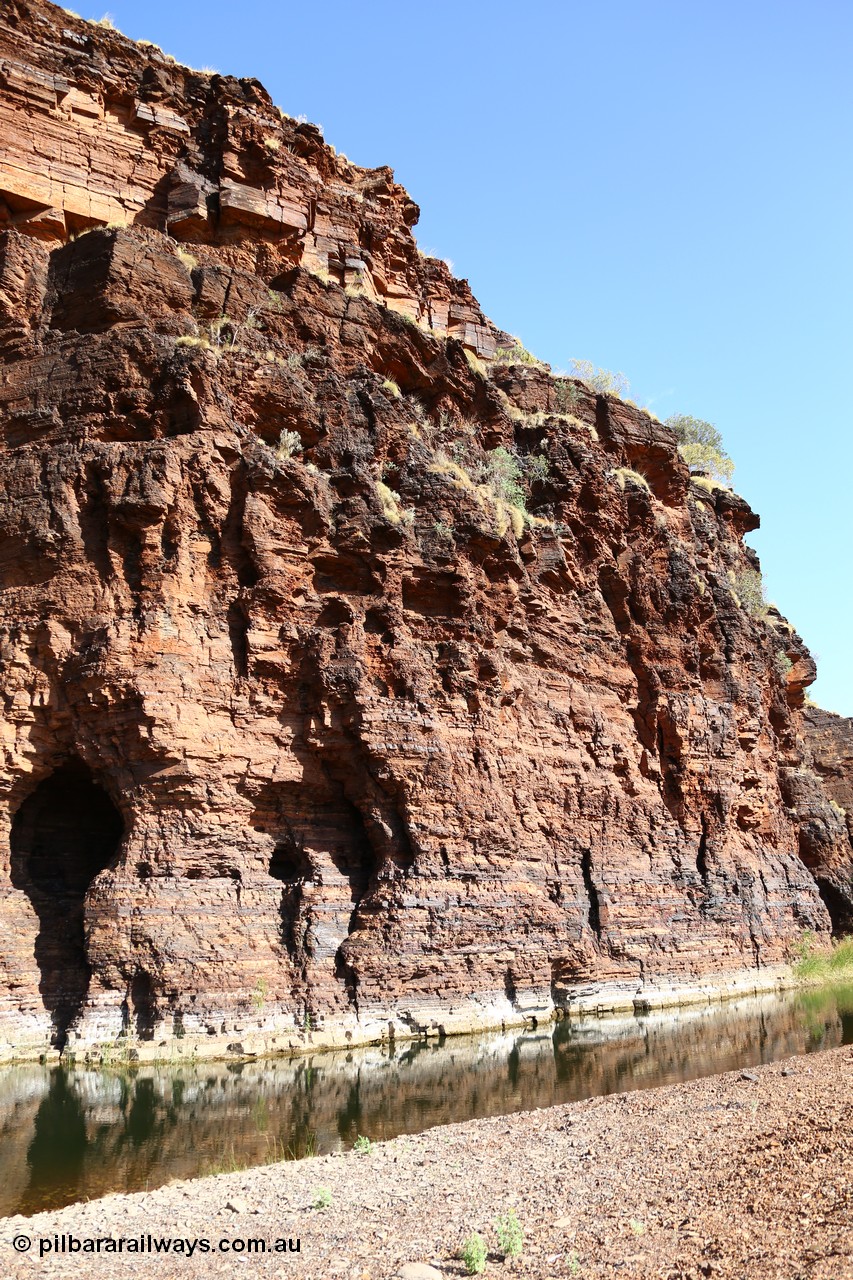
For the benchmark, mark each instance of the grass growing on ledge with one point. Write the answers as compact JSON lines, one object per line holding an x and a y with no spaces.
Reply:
{"x":391,"y":508}
{"x":516,"y":354}
{"x":826,"y":966}
{"x":625,"y":476}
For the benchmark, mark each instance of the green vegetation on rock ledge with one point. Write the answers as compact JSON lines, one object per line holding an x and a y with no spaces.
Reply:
{"x":834,"y":965}
{"x":701,"y":446}
{"x":602,"y":381}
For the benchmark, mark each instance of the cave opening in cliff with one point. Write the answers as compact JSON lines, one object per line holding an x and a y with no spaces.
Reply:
{"x":291,"y":867}
{"x":141,"y":1008}
{"x":64,"y":833}
{"x":840,"y":913}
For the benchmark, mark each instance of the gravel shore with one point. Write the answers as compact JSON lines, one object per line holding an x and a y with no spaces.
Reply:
{"x":739,"y":1175}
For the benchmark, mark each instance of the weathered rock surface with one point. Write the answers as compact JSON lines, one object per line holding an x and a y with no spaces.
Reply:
{"x":826,"y":833}
{"x":310,"y":733}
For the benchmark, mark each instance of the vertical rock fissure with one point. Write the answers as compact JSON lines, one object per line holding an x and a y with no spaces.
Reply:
{"x":238,"y":634}
{"x":594,"y":914}
{"x":702,"y":853}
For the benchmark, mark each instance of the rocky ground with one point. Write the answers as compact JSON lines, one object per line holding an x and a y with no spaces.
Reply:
{"x":739,"y":1175}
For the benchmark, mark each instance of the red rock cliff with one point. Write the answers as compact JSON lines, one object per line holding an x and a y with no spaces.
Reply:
{"x":827,"y":772}
{"x":358,"y":677}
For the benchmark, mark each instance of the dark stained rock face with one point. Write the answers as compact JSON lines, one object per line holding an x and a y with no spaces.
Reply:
{"x":825,"y":810}
{"x":358,"y":677}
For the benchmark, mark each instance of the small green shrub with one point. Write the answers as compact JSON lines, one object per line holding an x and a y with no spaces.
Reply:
{"x":362,"y":1145}
{"x":509,"y":1233}
{"x":391,"y":388}
{"x":500,"y":487}
{"x":566,"y":394}
{"x":701,"y":446}
{"x":602,"y":381}
{"x":536,"y":467}
{"x":503,"y":472}
{"x":322,"y":1198}
{"x":473,"y":1254}
{"x":493,"y":478}
{"x":748,"y":589}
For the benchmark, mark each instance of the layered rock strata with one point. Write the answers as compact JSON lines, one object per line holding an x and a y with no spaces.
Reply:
{"x":360,"y":677}
{"x":826,"y":835}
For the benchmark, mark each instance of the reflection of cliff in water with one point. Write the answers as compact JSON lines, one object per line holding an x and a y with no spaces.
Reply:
{"x":70,"y":1134}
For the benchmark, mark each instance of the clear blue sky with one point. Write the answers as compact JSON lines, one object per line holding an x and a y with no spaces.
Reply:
{"x":662,"y":187}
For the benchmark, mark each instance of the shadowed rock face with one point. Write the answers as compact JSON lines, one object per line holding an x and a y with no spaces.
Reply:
{"x":62,"y":836}
{"x":366,"y":750}
{"x":828,"y":740}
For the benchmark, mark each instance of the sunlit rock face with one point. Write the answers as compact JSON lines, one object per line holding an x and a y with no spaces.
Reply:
{"x":360,"y":677}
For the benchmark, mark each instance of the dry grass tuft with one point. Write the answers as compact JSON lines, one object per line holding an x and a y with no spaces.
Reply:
{"x":625,"y":476}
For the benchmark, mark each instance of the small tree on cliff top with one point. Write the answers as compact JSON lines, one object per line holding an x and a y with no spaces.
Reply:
{"x":602,"y":381}
{"x":701,"y":446}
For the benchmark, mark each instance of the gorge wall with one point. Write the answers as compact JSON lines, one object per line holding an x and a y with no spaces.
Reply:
{"x":359,"y":677}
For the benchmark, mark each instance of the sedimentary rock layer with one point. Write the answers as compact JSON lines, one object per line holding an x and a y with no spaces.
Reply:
{"x":828,"y":771}
{"x":359,"y":675}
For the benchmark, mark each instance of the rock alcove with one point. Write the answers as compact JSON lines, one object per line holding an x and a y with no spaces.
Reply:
{"x":64,"y":833}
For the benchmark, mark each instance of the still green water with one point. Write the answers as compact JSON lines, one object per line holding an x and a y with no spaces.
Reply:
{"x":72,"y":1134}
